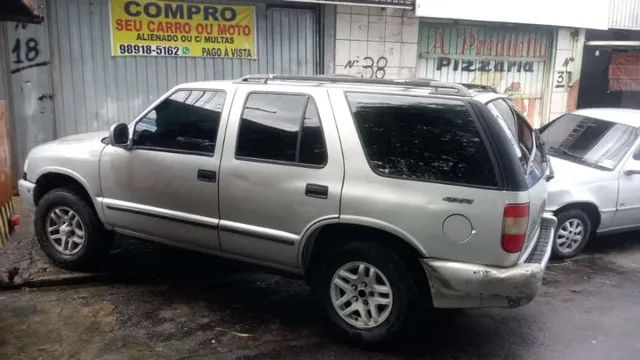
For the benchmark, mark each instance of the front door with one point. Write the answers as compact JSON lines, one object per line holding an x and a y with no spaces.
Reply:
{"x":282,"y":171}
{"x":628,"y":213}
{"x":165,"y":186}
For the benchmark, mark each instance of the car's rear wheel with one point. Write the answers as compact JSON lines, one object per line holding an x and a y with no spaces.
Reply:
{"x":572,"y":233}
{"x":69,"y":231}
{"x":368,"y":293}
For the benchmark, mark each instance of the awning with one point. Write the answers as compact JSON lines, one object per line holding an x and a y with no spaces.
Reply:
{"x":401,"y":4}
{"x":20,"y":11}
{"x":613,"y":44}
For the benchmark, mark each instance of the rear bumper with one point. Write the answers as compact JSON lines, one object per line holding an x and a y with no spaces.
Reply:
{"x":464,"y":285}
{"x":26,"y":189}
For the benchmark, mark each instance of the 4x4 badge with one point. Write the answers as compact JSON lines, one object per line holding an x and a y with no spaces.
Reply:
{"x":458,"y":200}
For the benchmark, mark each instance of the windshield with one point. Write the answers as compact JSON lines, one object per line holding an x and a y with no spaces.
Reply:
{"x":589,"y":141}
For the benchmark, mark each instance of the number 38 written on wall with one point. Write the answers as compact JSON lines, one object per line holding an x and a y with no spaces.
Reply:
{"x":375,"y":69}
{"x":371,"y":68}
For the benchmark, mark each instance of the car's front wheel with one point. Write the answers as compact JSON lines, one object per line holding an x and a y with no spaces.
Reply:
{"x":69,"y":231}
{"x":368,"y":293}
{"x":572,"y":234}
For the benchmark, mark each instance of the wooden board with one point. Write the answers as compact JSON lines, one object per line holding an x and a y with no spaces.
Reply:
{"x":5,"y":157}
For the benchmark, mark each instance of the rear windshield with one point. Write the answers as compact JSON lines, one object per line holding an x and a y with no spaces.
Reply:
{"x":593,"y":142}
{"x":523,"y":138}
{"x":423,"y":139}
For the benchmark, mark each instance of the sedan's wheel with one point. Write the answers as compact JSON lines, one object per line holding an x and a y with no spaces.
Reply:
{"x":361,"y":295}
{"x":369,"y":292}
{"x":69,"y":231}
{"x":572,"y":233}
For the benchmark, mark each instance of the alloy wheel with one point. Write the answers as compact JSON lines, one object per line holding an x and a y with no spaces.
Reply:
{"x":570,"y":235}
{"x":361,"y":295}
{"x":65,"y":230}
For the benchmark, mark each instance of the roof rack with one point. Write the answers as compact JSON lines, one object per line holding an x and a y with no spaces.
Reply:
{"x":478,"y":87}
{"x":436,"y":85}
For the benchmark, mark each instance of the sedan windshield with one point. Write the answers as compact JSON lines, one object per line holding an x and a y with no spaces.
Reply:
{"x":589,"y":141}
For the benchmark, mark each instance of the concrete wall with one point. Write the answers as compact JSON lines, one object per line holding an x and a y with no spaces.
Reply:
{"x":376,"y":42}
{"x":565,"y":81}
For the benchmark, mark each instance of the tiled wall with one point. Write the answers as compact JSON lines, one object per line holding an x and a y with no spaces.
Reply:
{"x":567,"y":60}
{"x":376,"y":42}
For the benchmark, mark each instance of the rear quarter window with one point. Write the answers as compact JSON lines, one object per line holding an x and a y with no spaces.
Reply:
{"x":423,"y":139}
{"x":522,"y":138}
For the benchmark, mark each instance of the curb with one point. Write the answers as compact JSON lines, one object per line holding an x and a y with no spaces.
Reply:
{"x":52,"y":281}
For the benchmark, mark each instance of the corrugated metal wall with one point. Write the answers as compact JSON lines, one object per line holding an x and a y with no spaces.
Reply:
{"x":93,"y":90}
{"x":624,"y":14}
{"x":31,"y":92}
{"x":292,"y":26}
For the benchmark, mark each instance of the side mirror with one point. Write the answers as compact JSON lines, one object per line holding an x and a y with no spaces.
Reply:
{"x":633,"y":169}
{"x":119,"y":135}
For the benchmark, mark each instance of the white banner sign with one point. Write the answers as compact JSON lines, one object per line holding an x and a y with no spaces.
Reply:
{"x":590,"y":14}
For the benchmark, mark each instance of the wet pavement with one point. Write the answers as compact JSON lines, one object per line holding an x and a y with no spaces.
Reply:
{"x":152,"y":301}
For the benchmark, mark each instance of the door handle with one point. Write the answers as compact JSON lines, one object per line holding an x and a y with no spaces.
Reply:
{"x":207,"y":175}
{"x":316,"y":191}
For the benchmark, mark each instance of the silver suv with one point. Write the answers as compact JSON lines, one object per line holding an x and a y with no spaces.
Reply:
{"x":391,"y":197}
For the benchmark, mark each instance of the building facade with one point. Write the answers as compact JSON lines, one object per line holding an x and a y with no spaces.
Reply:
{"x":93,"y":63}
{"x":611,"y":60}
{"x":64,"y":76}
{"x":536,"y":66}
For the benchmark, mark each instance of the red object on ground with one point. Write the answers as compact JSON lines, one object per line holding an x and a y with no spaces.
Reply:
{"x":14,"y":221}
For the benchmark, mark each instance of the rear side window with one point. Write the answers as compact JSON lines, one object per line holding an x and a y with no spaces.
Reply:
{"x":516,"y":128}
{"x":421,"y":139}
{"x":522,"y":137}
{"x":281,"y":128}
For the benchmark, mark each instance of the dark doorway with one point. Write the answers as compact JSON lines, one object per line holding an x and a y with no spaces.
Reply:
{"x":594,"y":79}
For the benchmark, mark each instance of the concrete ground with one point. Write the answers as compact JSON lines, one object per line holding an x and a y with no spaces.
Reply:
{"x":152,"y":301}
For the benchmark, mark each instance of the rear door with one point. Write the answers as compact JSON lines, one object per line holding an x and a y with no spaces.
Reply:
{"x":419,"y":167}
{"x":281,"y":171}
{"x":532,"y":158}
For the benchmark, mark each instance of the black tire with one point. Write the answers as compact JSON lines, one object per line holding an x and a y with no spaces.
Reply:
{"x":96,"y":240}
{"x":564,"y":217}
{"x":410,"y":298}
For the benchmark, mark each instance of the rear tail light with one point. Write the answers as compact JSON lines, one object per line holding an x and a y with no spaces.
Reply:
{"x":514,"y":227}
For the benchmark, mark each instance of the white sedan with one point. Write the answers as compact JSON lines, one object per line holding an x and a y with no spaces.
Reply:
{"x":595,"y":156}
